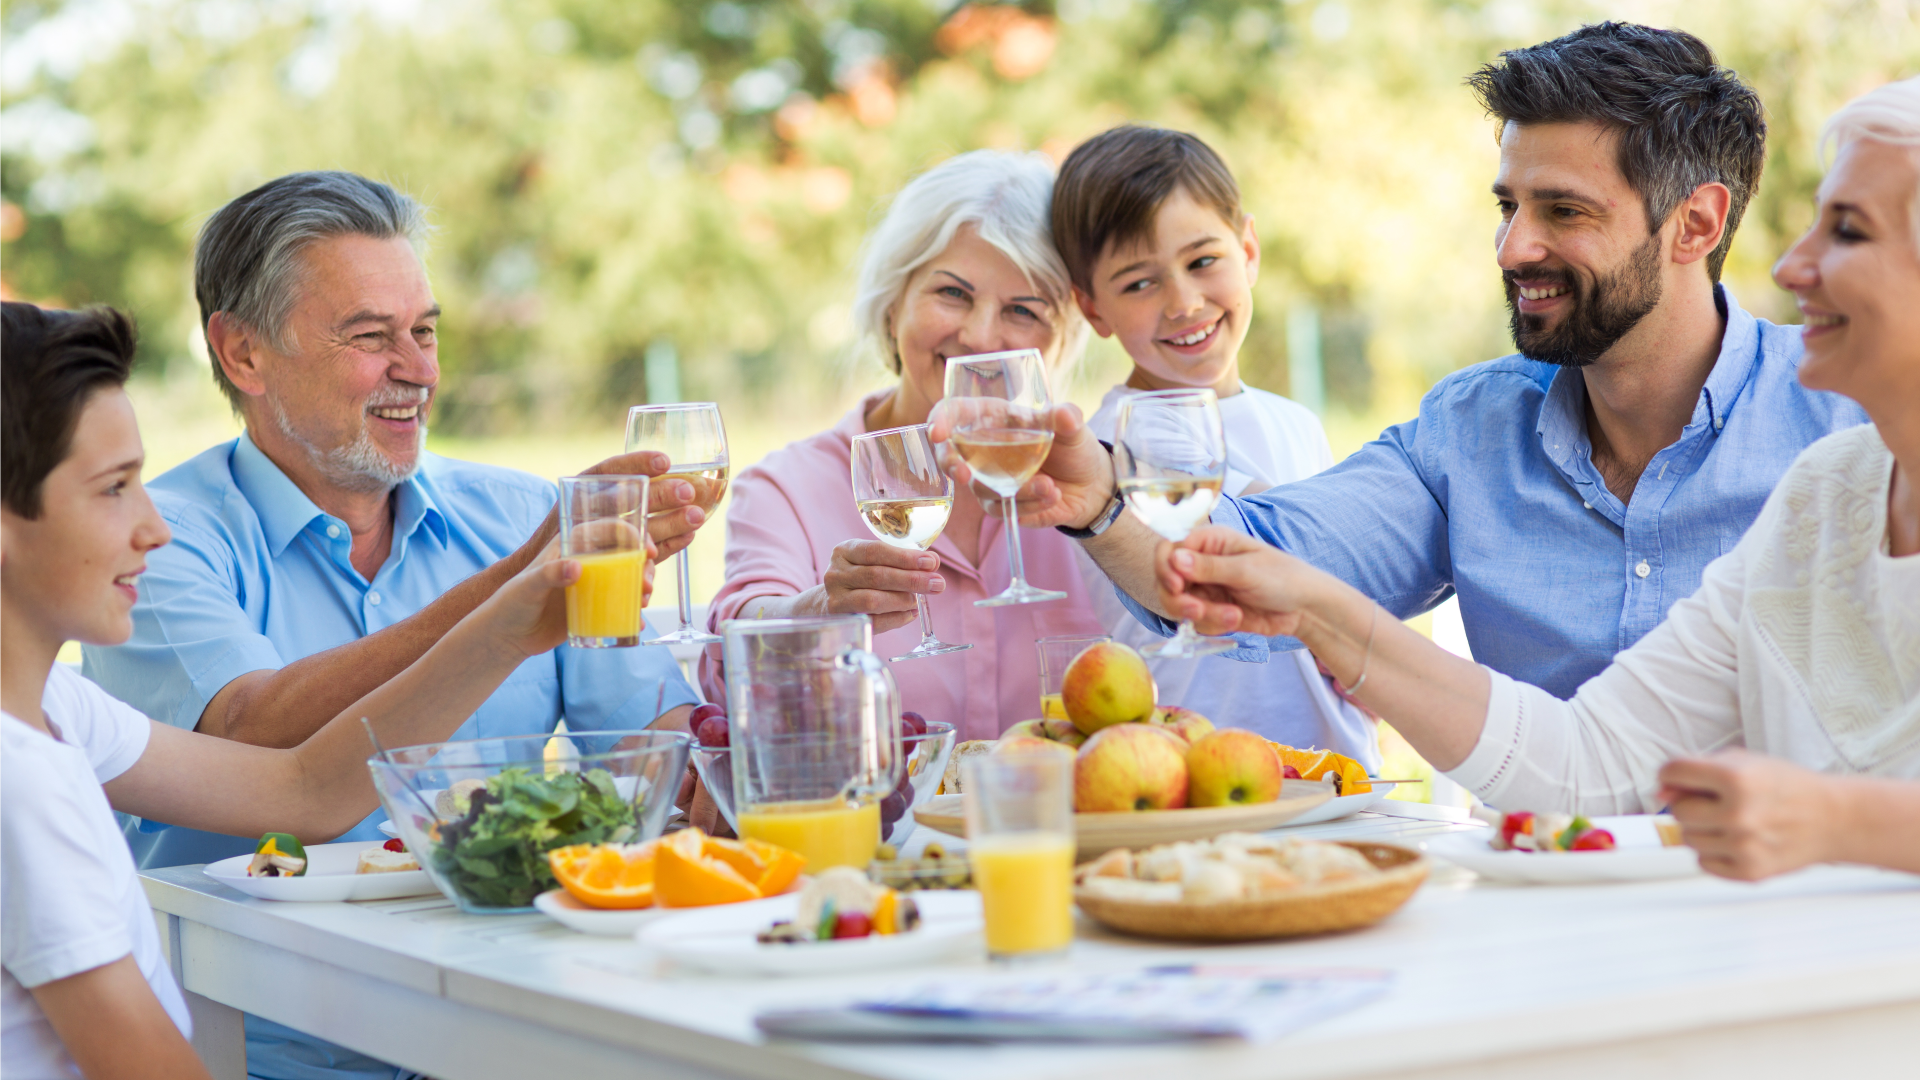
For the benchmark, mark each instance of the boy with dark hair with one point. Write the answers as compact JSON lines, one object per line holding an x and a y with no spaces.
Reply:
{"x":1571,"y":493}
{"x":1163,"y":258}
{"x":84,"y":985}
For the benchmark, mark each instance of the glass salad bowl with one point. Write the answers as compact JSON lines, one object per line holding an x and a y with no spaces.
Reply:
{"x":481,"y":814}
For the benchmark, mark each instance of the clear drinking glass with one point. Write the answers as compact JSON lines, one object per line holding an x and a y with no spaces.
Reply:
{"x":1003,"y":431}
{"x":695,"y":441}
{"x":1055,"y":654}
{"x":1019,"y":809}
{"x":905,"y":500}
{"x":1170,"y":458}
{"x":603,"y":527}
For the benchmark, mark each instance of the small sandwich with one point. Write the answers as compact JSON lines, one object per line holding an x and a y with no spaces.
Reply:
{"x":950,"y":780}
{"x":386,"y":860}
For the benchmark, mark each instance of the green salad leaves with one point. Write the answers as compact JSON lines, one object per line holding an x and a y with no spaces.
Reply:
{"x":495,"y":854}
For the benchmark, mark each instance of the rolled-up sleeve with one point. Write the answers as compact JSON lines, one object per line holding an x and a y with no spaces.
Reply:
{"x":192,"y":634}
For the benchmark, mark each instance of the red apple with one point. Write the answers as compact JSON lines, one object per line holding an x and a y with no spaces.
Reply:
{"x":1232,"y":767}
{"x":1190,"y":726}
{"x":1107,"y":684}
{"x":1130,"y":767}
{"x":1018,"y":743}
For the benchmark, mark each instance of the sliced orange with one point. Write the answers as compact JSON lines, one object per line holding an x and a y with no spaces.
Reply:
{"x":1310,"y":763}
{"x":605,"y":875}
{"x":697,"y":880}
{"x":783,"y":869}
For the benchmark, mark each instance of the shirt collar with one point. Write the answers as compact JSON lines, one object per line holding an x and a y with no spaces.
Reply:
{"x":285,"y":511}
{"x":1562,"y":424}
{"x":1733,"y":369}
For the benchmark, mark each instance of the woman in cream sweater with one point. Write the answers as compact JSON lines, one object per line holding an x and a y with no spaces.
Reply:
{"x":1802,"y":645}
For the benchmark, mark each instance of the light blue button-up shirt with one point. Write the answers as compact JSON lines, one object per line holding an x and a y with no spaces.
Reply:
{"x":1491,"y":493}
{"x":257,"y":576}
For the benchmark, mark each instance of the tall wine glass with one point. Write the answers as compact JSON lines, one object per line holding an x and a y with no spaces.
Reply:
{"x":1170,"y":458}
{"x":905,"y":500}
{"x":1003,"y":431}
{"x":695,"y":442}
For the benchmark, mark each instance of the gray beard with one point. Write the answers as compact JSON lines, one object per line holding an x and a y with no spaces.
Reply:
{"x":357,"y":466}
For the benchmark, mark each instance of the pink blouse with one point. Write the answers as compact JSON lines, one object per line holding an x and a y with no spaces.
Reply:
{"x":789,"y":512}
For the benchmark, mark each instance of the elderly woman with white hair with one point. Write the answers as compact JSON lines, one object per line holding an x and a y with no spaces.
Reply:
{"x":1777,"y":710}
{"x":962,"y":264}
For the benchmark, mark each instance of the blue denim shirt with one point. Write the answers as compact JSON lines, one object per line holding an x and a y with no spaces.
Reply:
{"x":1492,"y":494}
{"x":257,"y":576}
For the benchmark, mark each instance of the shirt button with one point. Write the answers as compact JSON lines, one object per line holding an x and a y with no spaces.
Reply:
{"x":374,"y":597}
{"x":333,"y":531}
{"x":1643,"y":569}
{"x":1586,"y":505}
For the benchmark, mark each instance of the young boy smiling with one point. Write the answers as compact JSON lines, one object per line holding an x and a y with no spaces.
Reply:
{"x":1163,"y":259}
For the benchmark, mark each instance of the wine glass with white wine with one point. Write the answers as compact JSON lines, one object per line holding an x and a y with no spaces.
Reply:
{"x":1170,"y":458}
{"x":1003,"y":430}
{"x":905,"y":500}
{"x":695,"y":442}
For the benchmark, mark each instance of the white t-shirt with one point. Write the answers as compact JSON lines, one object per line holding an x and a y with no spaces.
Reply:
{"x":1270,"y":440}
{"x":69,"y":901}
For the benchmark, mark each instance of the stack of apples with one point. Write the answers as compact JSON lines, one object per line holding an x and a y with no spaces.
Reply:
{"x":1133,"y":754}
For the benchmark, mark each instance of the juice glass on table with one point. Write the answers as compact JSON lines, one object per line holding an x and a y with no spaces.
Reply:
{"x":603,"y":527}
{"x":1019,"y":810}
{"x":815,"y":735}
{"x":1055,"y":654}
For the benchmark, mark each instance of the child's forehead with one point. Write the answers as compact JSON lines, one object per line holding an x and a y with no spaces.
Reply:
{"x":1181,"y":220}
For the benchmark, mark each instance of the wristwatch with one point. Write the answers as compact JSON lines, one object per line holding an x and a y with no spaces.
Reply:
{"x":1109,"y":513}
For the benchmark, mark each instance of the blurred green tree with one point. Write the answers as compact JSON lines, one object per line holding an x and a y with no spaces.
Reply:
{"x":609,"y":176}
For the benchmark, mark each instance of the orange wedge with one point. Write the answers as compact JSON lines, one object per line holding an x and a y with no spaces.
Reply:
{"x":1311,"y":764}
{"x":783,"y":869}
{"x":697,"y":880}
{"x":605,"y":875}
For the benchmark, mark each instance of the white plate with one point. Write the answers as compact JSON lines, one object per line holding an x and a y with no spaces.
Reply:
{"x":386,"y":826}
{"x":560,"y":906}
{"x":721,"y":939}
{"x":1342,"y":806}
{"x":329,"y":876}
{"x":1640,"y":857}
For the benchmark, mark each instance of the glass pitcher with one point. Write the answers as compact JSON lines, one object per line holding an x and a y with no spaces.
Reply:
{"x":815,"y":735}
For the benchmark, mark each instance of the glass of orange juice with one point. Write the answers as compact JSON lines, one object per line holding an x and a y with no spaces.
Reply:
{"x":815,"y":735}
{"x":1055,"y":654}
{"x":603,"y":527}
{"x":1019,"y":809}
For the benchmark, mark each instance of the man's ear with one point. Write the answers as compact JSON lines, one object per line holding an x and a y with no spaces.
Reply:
{"x":237,"y":348}
{"x":1701,"y":219}
{"x":1085,"y":304}
{"x":1250,"y":244}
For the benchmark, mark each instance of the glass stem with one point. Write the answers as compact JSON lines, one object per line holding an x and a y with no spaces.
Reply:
{"x":1013,"y":542}
{"x":1186,"y":635}
{"x":926,"y":619}
{"x":686,"y":592}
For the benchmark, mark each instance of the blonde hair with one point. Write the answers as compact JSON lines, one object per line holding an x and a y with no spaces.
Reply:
{"x":1007,"y":197}
{"x":1888,"y":114}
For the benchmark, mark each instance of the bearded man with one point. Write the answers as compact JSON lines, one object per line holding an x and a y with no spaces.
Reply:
{"x":1571,"y":493}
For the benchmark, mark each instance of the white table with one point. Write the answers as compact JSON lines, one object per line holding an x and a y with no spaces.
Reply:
{"x":1795,"y":977}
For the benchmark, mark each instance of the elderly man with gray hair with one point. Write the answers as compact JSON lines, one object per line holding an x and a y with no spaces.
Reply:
{"x":324,"y":550}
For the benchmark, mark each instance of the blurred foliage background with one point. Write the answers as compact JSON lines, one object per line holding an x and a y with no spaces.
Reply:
{"x":664,"y":199}
{"x":614,"y":180}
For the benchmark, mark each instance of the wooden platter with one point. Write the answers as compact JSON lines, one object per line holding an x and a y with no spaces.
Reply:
{"x":1096,"y":834}
{"x":1310,"y":909}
